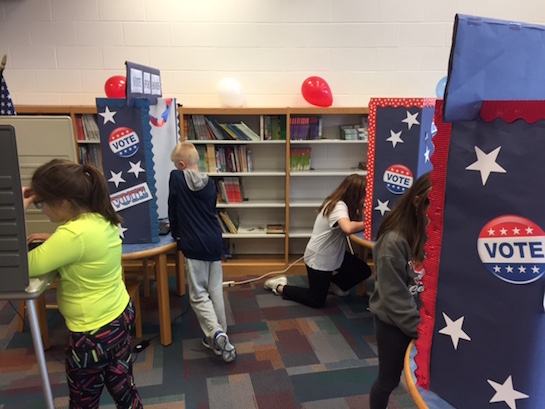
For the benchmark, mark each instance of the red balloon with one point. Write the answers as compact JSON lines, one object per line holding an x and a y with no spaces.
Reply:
{"x":115,"y":87}
{"x":316,"y":91}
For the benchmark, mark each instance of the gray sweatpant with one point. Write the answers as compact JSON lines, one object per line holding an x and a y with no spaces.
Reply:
{"x":205,"y":283}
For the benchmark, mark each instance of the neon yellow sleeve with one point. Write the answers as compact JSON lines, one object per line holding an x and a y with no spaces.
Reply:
{"x":62,"y":248}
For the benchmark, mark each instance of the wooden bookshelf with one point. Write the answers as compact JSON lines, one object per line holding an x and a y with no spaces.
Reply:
{"x":274,"y":193}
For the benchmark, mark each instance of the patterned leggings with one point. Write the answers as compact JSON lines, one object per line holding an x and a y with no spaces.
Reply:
{"x":102,"y":357}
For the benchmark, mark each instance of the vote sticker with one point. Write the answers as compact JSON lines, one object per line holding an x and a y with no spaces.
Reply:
{"x":124,"y":142}
{"x":513,"y":249}
{"x":398,"y":178}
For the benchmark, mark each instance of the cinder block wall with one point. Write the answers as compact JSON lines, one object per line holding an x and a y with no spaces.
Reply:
{"x":62,"y":51}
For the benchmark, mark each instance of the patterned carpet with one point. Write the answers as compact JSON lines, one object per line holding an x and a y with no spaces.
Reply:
{"x":289,"y":356}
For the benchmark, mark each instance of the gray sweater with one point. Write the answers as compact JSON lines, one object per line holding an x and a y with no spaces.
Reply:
{"x":393,"y":301}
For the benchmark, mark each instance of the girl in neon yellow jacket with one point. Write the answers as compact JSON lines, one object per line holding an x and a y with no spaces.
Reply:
{"x":86,"y":251}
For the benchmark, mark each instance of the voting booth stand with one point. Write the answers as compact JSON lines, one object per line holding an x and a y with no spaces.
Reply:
{"x":481,"y":342}
{"x":137,"y":136}
{"x":400,"y":147}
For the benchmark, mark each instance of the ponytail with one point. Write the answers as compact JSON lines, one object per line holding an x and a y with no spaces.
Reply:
{"x":81,"y":185}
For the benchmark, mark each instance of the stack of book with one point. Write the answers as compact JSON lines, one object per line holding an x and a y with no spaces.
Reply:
{"x":87,"y":128}
{"x":230,"y":190}
{"x":275,"y":228}
{"x":274,"y":128}
{"x":305,"y":127}
{"x":353,"y":133}
{"x":300,"y":158}
{"x":227,"y":158}
{"x":199,"y":127}
{"x":226,"y":224}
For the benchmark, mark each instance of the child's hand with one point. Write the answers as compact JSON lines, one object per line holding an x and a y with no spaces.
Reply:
{"x":37,"y":237}
{"x":28,"y":196}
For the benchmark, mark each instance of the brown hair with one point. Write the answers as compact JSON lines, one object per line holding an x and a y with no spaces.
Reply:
{"x":352,"y":192}
{"x":83,"y":186}
{"x":409,"y":218}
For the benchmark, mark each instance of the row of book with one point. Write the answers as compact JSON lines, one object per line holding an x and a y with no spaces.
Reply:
{"x":90,"y":154}
{"x":305,"y":127}
{"x":87,"y":128}
{"x":354,"y":133}
{"x":200,"y":127}
{"x":274,"y":127}
{"x":229,"y":227}
{"x":230,"y":190}
{"x":225,"y":158}
{"x":300,"y":158}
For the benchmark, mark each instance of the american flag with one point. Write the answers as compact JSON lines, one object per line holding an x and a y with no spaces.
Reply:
{"x":6,"y":104}
{"x":400,"y":148}
{"x":482,"y":336}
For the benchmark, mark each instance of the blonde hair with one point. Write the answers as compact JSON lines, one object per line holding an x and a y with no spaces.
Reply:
{"x":185,"y":152}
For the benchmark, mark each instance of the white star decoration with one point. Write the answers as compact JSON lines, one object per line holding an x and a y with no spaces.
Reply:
{"x":506,"y":393}
{"x":395,"y":138}
{"x":108,"y":116}
{"x":454,"y":330}
{"x":486,"y":163}
{"x":136,"y":168}
{"x":116,"y":178}
{"x":382,"y":207}
{"x":411,"y":119}
{"x":427,"y":155}
{"x":122,"y":231}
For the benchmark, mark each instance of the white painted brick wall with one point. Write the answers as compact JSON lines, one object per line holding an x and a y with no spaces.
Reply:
{"x":62,"y":51}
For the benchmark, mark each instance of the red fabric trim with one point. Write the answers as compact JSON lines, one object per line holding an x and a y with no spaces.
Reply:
{"x":510,"y":111}
{"x":433,"y":247}
{"x":368,"y":208}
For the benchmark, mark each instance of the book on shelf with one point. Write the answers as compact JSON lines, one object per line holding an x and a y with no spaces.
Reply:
{"x":203,"y":164}
{"x":211,"y":159}
{"x":223,"y":226}
{"x":222,"y":192}
{"x":247,"y":131}
{"x":90,"y":154}
{"x":231,"y":158}
{"x":231,"y":227}
{"x":305,"y":127}
{"x":274,"y":128}
{"x":300,"y":158}
{"x":79,"y":129}
{"x":199,"y":126}
{"x":275,"y":228}
{"x":233,"y":190}
{"x":90,"y":126}
{"x":353,"y":132}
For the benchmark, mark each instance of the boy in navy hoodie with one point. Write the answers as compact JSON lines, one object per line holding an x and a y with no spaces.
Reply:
{"x":194,"y":226}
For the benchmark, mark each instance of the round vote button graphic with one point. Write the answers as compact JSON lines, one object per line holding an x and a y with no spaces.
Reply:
{"x":397,"y":179}
{"x":513,"y":249}
{"x":124,"y":142}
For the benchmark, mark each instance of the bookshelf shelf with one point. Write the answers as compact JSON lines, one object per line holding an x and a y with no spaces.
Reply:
{"x":254,"y":204}
{"x":254,"y":236}
{"x":325,"y":172}
{"x":233,"y":142}
{"x":252,"y":174}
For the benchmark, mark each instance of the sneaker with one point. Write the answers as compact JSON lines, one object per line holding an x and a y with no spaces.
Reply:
{"x":335,"y":289}
{"x":227,"y":350}
{"x":273,"y":283}
{"x":208,"y":346}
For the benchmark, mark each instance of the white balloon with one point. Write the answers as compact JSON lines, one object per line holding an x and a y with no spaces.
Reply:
{"x":230,"y":93}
